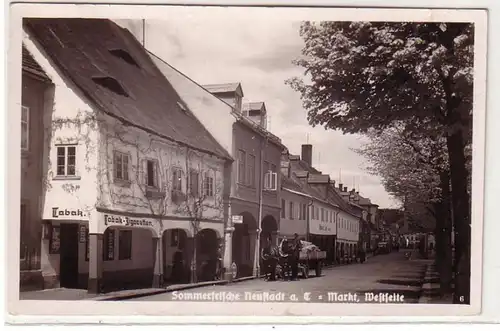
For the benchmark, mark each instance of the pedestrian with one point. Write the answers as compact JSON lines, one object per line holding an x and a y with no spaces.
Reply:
{"x":296,"y":248}
{"x":269,"y":259}
{"x":285,"y":257}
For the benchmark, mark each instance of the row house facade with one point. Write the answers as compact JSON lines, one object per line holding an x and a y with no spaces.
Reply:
{"x":36,"y":92}
{"x":137,"y":190}
{"x":254,"y":195}
{"x":333,"y":225}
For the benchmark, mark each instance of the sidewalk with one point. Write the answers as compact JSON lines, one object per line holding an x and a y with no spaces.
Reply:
{"x":82,"y":294}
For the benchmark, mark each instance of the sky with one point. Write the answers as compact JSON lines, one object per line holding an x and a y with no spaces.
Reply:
{"x":258,"y":53}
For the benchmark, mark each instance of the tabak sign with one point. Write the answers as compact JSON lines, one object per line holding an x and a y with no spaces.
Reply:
{"x":125,"y":221}
{"x":58,"y":212}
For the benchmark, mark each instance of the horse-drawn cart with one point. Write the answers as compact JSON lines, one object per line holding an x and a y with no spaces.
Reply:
{"x":311,"y":258}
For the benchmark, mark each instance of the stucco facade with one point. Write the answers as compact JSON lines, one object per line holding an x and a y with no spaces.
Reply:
{"x":120,"y":201}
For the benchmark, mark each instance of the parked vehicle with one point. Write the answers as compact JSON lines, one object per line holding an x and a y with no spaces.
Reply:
{"x":311,"y":258}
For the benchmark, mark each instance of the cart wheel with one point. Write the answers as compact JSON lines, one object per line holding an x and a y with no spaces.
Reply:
{"x":305,"y":271}
{"x":318,"y":269}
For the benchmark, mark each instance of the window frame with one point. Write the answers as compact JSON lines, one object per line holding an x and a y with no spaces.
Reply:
{"x":283,"y":208}
{"x":208,"y":184}
{"x":242,"y":166}
{"x":109,"y":255}
{"x":190,"y":184}
{"x":291,"y":210}
{"x":127,"y":255}
{"x":65,"y":156}
{"x":179,"y":179}
{"x":250,"y":170}
{"x":156,"y":181}
{"x":27,"y":123}
{"x":124,"y":168}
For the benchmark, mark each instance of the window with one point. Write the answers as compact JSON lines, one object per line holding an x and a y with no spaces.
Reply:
{"x":304,"y":211}
{"x":109,"y":245}
{"x":151,"y":173}
{"x":25,"y":126}
{"x":312,"y":212}
{"x":121,"y":166}
{"x":317,"y":213}
{"x":24,"y":220}
{"x":291,"y":211}
{"x":66,"y":160}
{"x":283,"y":206}
{"x":208,"y":185}
{"x":266,"y":168}
{"x":124,"y":55}
{"x":194,"y":183}
{"x":111,"y":84}
{"x":251,"y":170}
{"x":241,"y":166}
{"x":322,"y":215}
{"x":125,"y":245}
{"x":177,"y":179}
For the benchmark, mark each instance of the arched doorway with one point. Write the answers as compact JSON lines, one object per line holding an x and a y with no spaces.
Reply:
{"x":243,"y":245}
{"x":207,"y":244}
{"x":176,"y":258}
{"x":269,"y":229}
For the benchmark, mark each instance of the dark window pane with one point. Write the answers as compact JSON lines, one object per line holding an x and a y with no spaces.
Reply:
{"x":151,"y":173}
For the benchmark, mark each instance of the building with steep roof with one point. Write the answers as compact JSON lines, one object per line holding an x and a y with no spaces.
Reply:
{"x":255,"y":179}
{"x":128,"y":164}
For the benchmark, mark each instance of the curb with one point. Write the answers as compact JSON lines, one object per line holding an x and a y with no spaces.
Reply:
{"x":430,"y":287}
{"x":159,"y":291}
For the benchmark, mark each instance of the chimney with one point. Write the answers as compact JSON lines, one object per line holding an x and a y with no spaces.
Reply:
{"x":340,"y":187}
{"x":345,"y":189}
{"x":307,"y":153}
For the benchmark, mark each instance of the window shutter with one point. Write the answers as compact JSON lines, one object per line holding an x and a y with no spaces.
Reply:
{"x":143,"y":175}
{"x":156,"y":172}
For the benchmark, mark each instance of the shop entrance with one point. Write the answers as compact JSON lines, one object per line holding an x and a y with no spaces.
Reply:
{"x":68,"y":264}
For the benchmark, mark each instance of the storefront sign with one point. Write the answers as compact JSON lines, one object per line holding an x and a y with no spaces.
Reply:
{"x":126,"y":221}
{"x":83,"y":234}
{"x":326,"y":227}
{"x":67,"y":213}
{"x":55,"y":242}
{"x":237,"y":219}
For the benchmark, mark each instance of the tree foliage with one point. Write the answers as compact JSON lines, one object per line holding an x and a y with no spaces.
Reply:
{"x":366,"y":75}
{"x":409,"y":168}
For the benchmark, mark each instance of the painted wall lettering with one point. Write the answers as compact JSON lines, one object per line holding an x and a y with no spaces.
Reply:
{"x":64,"y":212}
{"x":126,"y":221}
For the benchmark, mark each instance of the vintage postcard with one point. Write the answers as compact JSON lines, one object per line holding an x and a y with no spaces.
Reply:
{"x":292,"y":164}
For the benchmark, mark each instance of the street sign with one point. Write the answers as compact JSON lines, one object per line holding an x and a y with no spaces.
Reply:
{"x":237,"y":219}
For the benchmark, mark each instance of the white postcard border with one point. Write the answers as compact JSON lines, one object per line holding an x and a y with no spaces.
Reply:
{"x":50,"y":311}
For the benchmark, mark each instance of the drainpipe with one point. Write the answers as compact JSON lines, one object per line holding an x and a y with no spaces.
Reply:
{"x":308,"y":220}
{"x":259,"y":221}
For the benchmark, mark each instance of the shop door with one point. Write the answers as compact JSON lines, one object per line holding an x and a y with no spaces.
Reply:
{"x":69,"y":256}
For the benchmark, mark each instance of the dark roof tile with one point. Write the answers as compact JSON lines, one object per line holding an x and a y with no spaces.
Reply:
{"x":83,"y":49}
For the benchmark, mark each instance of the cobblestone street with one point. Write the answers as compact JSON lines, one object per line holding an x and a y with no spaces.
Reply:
{"x":391,"y":274}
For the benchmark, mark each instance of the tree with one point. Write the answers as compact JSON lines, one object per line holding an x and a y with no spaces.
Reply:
{"x":371,"y":75}
{"x":414,"y":169}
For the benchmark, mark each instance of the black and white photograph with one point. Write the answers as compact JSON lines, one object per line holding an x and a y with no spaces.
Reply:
{"x":274,"y":156}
